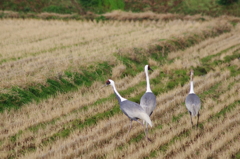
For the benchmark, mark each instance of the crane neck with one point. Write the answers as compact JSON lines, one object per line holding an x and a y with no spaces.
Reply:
{"x":191,"y":88}
{"x":117,"y":94}
{"x":147,"y":79}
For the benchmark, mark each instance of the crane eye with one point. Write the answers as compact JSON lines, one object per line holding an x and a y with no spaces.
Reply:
{"x":149,"y":67}
{"x":107,"y":82}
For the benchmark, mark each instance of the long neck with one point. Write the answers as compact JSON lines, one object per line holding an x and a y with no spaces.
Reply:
{"x":148,"y":83}
{"x":191,"y":88}
{"x":119,"y":97}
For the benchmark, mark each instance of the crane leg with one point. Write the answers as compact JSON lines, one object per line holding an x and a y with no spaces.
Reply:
{"x":146,"y":133}
{"x":198,"y":118}
{"x":191,"y":117}
{"x":140,"y":123}
{"x":145,"y":130}
{"x":130,"y":127}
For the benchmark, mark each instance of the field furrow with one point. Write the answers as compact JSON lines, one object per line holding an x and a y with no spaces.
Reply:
{"x":49,"y":107}
{"x":185,"y":126}
{"x":212,"y":130}
{"x":195,"y":145}
{"x":173,"y":100}
{"x":53,"y":71}
{"x":46,"y":61}
{"x":62,"y":105}
{"x":229,"y":150}
{"x":46,"y":108}
{"x":179,"y":145}
{"x":224,"y":137}
{"x":48,"y":133}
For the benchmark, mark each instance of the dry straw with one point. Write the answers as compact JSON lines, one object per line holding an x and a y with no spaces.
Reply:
{"x":185,"y":146}
{"x":121,"y":15}
{"x":126,"y":82}
{"x":120,"y":120}
{"x":174,"y":128}
{"x":38,"y":49}
{"x":48,"y":58}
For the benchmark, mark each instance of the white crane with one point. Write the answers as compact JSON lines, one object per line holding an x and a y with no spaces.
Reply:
{"x":131,"y":109}
{"x":192,"y":101}
{"x":148,"y":100}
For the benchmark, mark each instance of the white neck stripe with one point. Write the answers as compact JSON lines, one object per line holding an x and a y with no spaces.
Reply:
{"x":147,"y":79}
{"x":115,"y":90}
{"x":191,"y":88}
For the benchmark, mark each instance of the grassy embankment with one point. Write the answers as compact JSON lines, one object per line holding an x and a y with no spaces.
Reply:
{"x":70,"y":9}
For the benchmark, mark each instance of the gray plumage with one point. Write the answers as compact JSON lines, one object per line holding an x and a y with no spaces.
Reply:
{"x":148,"y":102}
{"x":131,"y":109}
{"x":193,"y":104}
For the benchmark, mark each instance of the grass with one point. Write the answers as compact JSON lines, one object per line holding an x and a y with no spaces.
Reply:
{"x":170,"y":84}
{"x":208,"y":58}
{"x":224,"y":111}
{"x":176,"y":118}
{"x":237,"y":155}
{"x":77,"y":124}
{"x":186,"y":134}
{"x":140,"y":136}
{"x":68,"y":54}
{"x":67,"y":10}
{"x":209,"y":65}
{"x":18,"y":96}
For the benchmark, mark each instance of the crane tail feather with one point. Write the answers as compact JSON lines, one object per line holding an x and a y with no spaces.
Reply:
{"x":146,"y":118}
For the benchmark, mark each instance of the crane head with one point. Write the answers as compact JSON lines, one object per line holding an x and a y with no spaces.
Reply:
{"x":107,"y":82}
{"x":191,"y":74}
{"x":149,"y":68}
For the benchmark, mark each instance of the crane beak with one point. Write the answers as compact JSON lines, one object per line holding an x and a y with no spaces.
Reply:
{"x":104,"y":86}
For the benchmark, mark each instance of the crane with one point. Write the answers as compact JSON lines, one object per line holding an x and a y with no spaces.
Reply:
{"x":148,"y":100}
{"x":131,"y":109}
{"x":192,"y":101}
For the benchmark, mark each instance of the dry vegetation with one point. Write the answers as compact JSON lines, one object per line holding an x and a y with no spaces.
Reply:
{"x":60,"y":126}
{"x":33,"y":50}
{"x":121,"y":15}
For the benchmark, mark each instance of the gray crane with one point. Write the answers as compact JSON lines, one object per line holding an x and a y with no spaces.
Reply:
{"x":192,"y":101}
{"x":131,"y":109}
{"x":148,"y":100}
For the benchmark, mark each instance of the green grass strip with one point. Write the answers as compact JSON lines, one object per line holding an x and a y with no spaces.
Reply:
{"x":237,"y":155}
{"x":208,"y":58}
{"x":207,"y":65}
{"x":18,"y":96}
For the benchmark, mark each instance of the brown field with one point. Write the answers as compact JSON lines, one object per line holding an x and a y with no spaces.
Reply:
{"x":33,"y":51}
